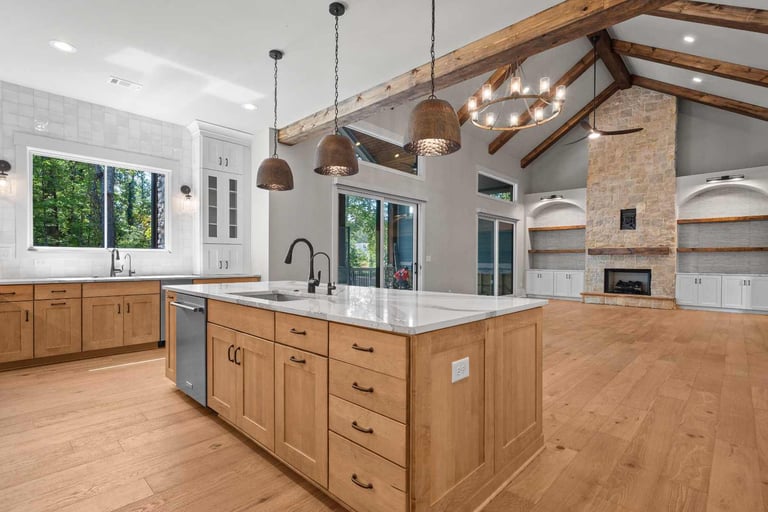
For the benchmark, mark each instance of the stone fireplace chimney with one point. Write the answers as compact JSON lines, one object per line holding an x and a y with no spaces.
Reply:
{"x":626,"y":173}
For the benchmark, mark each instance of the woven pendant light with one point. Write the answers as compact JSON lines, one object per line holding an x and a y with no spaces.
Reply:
{"x":275,"y":173}
{"x":335,"y":154}
{"x":433,"y":128}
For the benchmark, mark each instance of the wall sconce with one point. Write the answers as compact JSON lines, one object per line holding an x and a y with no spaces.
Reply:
{"x":186,"y":205}
{"x":553,"y":197}
{"x":721,"y":179}
{"x":5,"y":182}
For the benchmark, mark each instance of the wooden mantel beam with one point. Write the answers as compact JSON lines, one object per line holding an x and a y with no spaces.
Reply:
{"x":738,"y":107}
{"x":496,"y":80}
{"x":729,"y":16}
{"x":567,"y":79}
{"x":612,"y":60}
{"x":569,"y":125}
{"x":560,"y":24}
{"x":729,"y":70}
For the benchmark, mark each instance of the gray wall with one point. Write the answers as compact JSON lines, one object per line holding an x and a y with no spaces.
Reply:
{"x":708,"y":140}
{"x":448,"y":192}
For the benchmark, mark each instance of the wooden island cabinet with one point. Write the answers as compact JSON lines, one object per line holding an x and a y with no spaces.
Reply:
{"x":376,"y":419}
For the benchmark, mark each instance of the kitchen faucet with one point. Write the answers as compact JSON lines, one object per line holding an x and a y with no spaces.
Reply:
{"x":331,"y":286}
{"x":311,"y":282}
{"x":131,"y":272}
{"x":113,"y":270}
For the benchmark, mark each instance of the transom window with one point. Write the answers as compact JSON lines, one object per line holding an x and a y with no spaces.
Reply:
{"x":83,"y":203}
{"x":495,"y":188}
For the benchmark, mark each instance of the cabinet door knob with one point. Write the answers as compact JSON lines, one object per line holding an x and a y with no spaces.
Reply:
{"x":359,"y":483}
{"x":360,"y":388}
{"x":362,"y":349}
{"x":229,"y":354}
{"x":364,"y":430}
{"x":295,"y":359}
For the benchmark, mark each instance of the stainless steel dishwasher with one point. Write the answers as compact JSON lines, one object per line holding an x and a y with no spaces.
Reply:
{"x":191,"y":375}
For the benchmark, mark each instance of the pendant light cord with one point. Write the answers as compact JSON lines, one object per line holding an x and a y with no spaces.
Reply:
{"x":336,"y":81}
{"x":432,"y":54}
{"x":594,"y":85}
{"x":274,"y":131}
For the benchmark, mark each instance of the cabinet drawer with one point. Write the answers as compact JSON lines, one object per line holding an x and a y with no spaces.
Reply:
{"x":378,"y":351}
{"x":378,"y":433}
{"x":372,"y":390}
{"x":120,"y":288}
{"x":364,"y":480}
{"x":253,"y":321}
{"x":16,"y":292}
{"x":301,"y":332}
{"x":57,"y":291}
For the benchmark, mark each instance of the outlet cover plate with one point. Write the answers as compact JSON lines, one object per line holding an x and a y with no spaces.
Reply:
{"x":459,"y":370}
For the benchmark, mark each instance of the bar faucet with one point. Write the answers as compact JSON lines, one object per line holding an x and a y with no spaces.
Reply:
{"x":113,"y":270}
{"x":331,"y":286}
{"x":311,"y":282}
{"x":131,"y":272}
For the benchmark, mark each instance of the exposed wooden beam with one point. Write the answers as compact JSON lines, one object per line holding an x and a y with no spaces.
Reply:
{"x":496,"y":80}
{"x":612,"y":60}
{"x":738,"y":107}
{"x":730,"y":16}
{"x":747,"y":74}
{"x":547,"y":29}
{"x":568,"y":125}
{"x":567,"y":79}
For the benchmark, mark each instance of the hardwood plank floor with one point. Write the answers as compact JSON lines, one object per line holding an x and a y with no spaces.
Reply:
{"x":643,"y":410}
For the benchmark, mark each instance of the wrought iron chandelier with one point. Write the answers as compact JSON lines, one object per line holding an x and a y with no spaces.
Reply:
{"x":519,"y":108}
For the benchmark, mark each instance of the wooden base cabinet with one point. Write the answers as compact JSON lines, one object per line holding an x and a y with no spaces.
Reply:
{"x":102,"y":322}
{"x":57,"y":327}
{"x":16,"y":333}
{"x":142,"y":319}
{"x":301,"y":411}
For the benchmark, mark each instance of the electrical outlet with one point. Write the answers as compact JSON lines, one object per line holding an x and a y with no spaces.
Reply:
{"x":460,"y":370}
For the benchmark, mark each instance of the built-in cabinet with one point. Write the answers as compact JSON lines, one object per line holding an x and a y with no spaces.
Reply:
{"x":555,"y":283}
{"x":120,"y":313}
{"x":16,"y":319}
{"x":746,"y":292}
{"x":223,"y":259}
{"x":58,"y":315}
{"x":219,"y":155}
{"x":222,"y":199}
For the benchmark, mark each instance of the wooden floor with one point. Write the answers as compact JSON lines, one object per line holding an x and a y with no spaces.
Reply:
{"x":644,"y":410}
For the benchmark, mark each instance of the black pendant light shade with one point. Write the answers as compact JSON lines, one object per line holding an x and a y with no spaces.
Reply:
{"x":335,"y":154}
{"x":275,"y":173}
{"x":433,"y":128}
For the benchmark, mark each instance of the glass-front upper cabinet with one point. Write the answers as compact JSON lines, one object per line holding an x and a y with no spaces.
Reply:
{"x":221,"y":210}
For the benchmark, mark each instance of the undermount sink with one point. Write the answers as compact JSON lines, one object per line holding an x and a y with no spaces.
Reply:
{"x":271,"y":296}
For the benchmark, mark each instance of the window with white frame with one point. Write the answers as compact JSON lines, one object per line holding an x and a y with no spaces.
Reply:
{"x":496,"y":188}
{"x":78,"y":202}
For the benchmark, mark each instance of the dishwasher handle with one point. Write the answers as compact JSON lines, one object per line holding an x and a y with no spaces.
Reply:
{"x":187,"y":307}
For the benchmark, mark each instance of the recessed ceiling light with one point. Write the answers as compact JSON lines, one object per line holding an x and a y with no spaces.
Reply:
{"x":62,"y":46}
{"x":689,"y":39}
{"x":249,"y":106}
{"x":697,"y":79}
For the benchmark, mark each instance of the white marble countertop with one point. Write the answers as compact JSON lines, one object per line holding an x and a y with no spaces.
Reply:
{"x":101,"y":279}
{"x":401,"y":311}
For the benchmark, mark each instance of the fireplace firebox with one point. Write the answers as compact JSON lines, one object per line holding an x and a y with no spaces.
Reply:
{"x":628,"y":281}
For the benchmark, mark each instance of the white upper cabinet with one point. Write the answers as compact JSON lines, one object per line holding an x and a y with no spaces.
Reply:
{"x":222,"y":208}
{"x":219,"y":155}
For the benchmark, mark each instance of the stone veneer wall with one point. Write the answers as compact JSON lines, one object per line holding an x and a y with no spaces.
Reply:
{"x":633,"y":171}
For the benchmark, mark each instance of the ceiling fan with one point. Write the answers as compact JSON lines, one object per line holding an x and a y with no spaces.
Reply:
{"x":592,"y":131}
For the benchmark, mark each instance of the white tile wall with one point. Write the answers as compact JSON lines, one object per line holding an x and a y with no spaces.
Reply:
{"x":25,"y":110}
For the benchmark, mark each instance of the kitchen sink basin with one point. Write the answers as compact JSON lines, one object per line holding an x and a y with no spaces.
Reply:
{"x":271,"y":296}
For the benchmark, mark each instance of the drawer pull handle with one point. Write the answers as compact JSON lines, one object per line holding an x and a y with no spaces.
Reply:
{"x":26,"y":315}
{"x":300,"y":333}
{"x":361,"y":429}
{"x":360,"y":388}
{"x":237,"y":361}
{"x":8,"y":293}
{"x":362,"y":349}
{"x":294,"y":359}
{"x":359,"y":483}
{"x":58,"y":303}
{"x":229,"y":354}
{"x":58,"y":291}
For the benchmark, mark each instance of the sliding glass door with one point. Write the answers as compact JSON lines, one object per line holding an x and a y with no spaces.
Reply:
{"x":495,"y":256}
{"x":377,"y":242}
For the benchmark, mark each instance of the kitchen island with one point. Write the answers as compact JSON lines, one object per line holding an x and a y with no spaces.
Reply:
{"x":388,"y":400}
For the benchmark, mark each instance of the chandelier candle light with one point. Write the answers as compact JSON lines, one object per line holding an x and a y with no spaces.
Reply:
{"x":275,"y":173}
{"x":508,"y":112}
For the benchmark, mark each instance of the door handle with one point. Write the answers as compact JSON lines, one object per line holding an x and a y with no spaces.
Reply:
{"x":295,"y":359}
{"x":237,"y":351}
{"x":359,"y":483}
{"x":361,"y":429}
{"x":229,"y":354}
{"x":362,"y":349}
{"x":360,"y":388}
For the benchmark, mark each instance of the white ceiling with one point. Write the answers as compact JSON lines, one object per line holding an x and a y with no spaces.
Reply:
{"x":202,"y":59}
